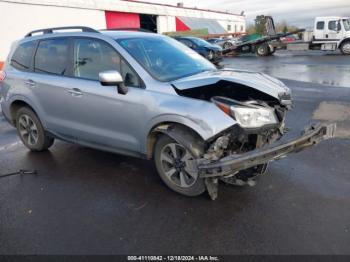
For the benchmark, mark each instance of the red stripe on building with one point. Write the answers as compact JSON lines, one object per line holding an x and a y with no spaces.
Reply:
{"x":122,"y":20}
{"x":180,"y":26}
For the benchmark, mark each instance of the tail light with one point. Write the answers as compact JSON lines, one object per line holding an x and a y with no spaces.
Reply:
{"x":2,"y":76}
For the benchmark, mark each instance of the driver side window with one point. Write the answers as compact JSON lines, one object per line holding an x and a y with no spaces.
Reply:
{"x":94,"y":56}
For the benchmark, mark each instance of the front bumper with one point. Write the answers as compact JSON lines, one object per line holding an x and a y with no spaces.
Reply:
{"x":234,"y":163}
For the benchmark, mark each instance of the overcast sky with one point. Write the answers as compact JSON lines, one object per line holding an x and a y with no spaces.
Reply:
{"x":297,"y":12}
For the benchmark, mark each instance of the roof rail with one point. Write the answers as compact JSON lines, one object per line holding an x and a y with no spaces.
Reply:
{"x":51,"y":30}
{"x":128,"y":29}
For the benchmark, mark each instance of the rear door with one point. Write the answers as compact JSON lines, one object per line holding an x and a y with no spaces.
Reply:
{"x":319,"y":31}
{"x":49,"y":83}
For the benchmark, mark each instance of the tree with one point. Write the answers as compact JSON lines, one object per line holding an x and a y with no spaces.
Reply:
{"x":260,"y":22}
{"x":250,"y":29}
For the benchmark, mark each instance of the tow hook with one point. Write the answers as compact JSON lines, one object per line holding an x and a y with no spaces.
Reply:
{"x":212,"y":187}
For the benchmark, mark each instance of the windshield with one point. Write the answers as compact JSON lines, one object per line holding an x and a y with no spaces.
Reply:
{"x":346,"y":23}
{"x":165,"y":58}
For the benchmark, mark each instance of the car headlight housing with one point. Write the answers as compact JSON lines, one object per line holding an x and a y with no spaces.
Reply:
{"x":247,"y":115}
{"x":253,"y":117}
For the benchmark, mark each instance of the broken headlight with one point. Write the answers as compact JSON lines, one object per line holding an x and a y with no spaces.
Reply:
{"x":248,"y":114}
{"x":253,"y":117}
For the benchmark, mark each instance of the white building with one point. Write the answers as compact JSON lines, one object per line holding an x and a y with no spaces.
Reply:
{"x":18,"y":17}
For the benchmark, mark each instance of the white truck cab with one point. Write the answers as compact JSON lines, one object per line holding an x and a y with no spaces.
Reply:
{"x":331,"y":33}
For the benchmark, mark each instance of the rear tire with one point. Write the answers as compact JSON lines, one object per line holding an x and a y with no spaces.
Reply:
{"x":31,"y":131}
{"x":345,"y":48}
{"x":169,"y":159}
{"x":262,"y":50}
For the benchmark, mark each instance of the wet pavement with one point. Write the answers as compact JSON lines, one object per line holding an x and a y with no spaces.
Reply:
{"x":84,"y":201}
{"x":326,"y":68}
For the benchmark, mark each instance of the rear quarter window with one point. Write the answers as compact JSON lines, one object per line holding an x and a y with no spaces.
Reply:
{"x":22,"y":57}
{"x":320,"y":25}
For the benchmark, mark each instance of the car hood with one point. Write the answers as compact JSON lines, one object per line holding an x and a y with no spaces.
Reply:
{"x":259,"y":81}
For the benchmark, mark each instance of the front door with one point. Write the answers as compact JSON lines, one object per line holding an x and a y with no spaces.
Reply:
{"x":334,"y":31}
{"x":102,"y":117}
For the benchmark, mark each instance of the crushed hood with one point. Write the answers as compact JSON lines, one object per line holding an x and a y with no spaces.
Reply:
{"x":259,"y":81}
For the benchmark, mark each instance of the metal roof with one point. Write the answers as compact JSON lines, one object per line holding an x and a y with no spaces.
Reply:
{"x":212,"y":25}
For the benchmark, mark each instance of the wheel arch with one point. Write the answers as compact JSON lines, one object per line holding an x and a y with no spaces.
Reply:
{"x":15,"y":106}
{"x":343,"y":41}
{"x":181,"y":133}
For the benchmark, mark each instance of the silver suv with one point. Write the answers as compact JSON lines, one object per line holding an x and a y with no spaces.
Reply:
{"x":147,"y":95}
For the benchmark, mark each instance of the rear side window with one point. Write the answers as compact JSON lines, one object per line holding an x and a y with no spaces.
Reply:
{"x":320,"y":25}
{"x":52,"y":57}
{"x":22,"y":57}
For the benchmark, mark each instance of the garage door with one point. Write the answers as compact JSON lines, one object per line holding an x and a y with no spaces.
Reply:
{"x":122,"y":20}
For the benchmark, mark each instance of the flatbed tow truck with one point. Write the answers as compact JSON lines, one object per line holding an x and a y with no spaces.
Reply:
{"x":329,"y":34}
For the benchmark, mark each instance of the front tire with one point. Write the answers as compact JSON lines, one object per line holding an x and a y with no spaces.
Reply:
{"x":345,"y":48}
{"x":31,"y":131}
{"x":170,"y":160}
{"x":210,"y":55}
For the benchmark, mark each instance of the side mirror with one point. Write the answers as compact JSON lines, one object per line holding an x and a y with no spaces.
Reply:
{"x":113,"y":78}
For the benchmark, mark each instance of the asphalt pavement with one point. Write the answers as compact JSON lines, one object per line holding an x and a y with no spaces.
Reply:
{"x":84,"y":201}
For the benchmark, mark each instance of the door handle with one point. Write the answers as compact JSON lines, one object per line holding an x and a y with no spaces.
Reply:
{"x":75,"y":92}
{"x":30,"y":83}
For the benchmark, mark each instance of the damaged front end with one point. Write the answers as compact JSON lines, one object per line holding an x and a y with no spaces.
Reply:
{"x":241,"y":153}
{"x":241,"y":166}
{"x":258,"y":104}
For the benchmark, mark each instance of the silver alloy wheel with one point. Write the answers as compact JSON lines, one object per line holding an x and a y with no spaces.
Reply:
{"x":28,"y":130}
{"x":227,"y":45}
{"x":173,"y":159}
{"x":261,"y":50}
{"x":210,"y":55}
{"x":346,"y":48}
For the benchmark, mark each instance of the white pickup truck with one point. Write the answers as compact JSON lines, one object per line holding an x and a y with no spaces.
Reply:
{"x":329,"y":34}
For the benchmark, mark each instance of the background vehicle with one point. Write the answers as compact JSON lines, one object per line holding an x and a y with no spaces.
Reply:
{"x":147,"y":95}
{"x":225,"y":43}
{"x":329,"y":34}
{"x":211,"y":52}
{"x":261,"y":45}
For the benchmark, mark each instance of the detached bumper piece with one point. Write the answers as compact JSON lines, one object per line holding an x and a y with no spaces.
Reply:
{"x":234,"y":163}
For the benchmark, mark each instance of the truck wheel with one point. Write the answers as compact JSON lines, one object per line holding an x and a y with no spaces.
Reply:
{"x":345,"y":48}
{"x":31,"y":131}
{"x":170,"y":157}
{"x":263,"y":50}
